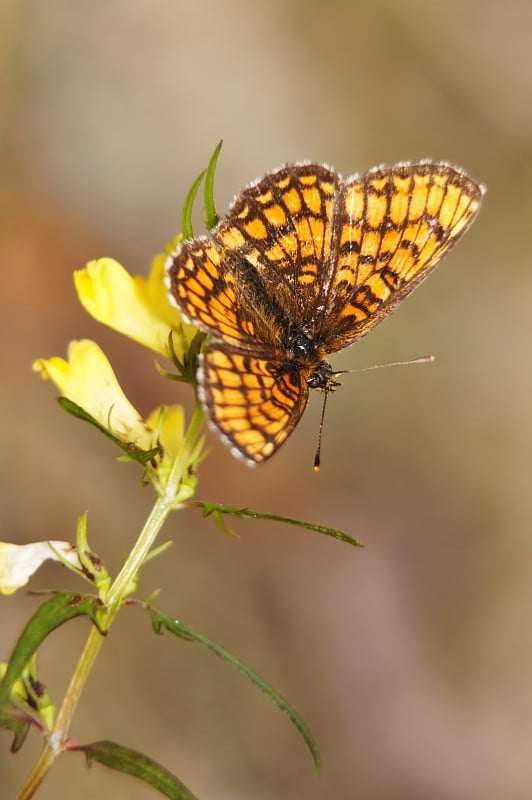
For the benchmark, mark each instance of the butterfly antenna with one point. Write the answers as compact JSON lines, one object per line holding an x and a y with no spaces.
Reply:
{"x":422,"y":360}
{"x":411,"y":362}
{"x":317,"y":457}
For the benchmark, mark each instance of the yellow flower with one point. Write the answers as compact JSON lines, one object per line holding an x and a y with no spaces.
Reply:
{"x":168,"y":422}
{"x":18,"y":562}
{"x":87,"y":379}
{"x":137,"y":307}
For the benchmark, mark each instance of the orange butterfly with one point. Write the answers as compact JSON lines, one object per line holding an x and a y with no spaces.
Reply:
{"x":304,"y":264}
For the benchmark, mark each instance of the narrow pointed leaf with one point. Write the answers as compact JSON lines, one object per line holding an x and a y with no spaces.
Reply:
{"x":60,"y":608}
{"x":134,"y":452}
{"x":31,"y":696}
{"x":124,"y":759}
{"x":17,"y":725}
{"x":211,"y":214}
{"x":160,"y":621}
{"x":220,"y":521}
{"x":217,"y":509}
{"x":186,"y":214}
{"x":187,"y":365}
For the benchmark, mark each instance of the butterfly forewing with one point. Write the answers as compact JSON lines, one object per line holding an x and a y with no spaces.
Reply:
{"x":392,"y":226}
{"x":282,"y":227}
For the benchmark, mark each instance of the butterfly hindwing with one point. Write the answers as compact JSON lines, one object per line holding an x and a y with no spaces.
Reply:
{"x":254,"y":403}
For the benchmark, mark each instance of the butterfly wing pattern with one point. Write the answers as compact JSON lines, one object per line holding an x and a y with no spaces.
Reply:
{"x":303,"y":265}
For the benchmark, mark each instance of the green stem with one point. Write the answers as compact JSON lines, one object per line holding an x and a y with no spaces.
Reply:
{"x":122,"y":587}
{"x":56,"y":739}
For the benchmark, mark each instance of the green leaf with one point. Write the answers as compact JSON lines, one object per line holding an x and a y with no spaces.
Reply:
{"x":211,"y":215}
{"x":134,"y":452}
{"x":217,"y":510}
{"x":186,"y":214}
{"x":187,"y":365}
{"x":11,"y":720}
{"x":30,"y":693}
{"x":160,"y":620}
{"x":124,"y":759}
{"x":220,"y":521}
{"x":60,"y":608}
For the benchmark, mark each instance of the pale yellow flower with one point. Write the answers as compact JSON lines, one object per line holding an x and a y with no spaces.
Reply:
{"x":137,"y":307}
{"x":168,"y":422}
{"x":18,"y":562}
{"x":87,"y":379}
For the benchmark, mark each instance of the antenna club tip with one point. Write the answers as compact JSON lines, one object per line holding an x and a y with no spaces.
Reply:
{"x":316,"y":466}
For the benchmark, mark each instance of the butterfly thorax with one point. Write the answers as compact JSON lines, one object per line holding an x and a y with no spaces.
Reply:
{"x":299,"y":346}
{"x":305,"y":354}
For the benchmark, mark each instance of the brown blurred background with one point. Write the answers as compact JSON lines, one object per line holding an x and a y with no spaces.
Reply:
{"x":411,"y":660}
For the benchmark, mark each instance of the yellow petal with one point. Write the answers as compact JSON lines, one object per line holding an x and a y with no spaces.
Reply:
{"x":18,"y":562}
{"x":136,"y":307}
{"x":87,"y":379}
{"x":169,"y":424}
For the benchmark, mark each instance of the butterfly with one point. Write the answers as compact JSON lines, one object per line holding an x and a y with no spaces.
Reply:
{"x":304,"y":264}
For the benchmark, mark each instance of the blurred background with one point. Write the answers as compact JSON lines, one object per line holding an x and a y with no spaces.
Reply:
{"x":411,"y":660}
